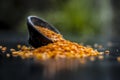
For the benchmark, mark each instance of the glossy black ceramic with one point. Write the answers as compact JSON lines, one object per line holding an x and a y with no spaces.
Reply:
{"x":36,"y":38}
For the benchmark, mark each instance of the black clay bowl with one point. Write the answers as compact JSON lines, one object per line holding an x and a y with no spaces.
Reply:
{"x":36,"y":38}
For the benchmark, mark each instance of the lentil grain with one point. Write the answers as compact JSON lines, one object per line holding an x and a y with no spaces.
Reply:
{"x":60,"y":48}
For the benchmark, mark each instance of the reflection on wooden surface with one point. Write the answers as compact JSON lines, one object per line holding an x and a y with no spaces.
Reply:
{"x":52,"y":66}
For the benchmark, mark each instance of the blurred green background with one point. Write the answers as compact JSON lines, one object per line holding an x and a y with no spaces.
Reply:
{"x":77,"y":20}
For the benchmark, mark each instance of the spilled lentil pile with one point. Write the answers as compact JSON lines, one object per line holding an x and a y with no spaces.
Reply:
{"x":60,"y":48}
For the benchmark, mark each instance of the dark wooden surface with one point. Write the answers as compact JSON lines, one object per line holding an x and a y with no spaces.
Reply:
{"x":15,"y":68}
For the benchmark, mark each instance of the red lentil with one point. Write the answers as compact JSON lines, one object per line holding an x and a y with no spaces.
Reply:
{"x":118,"y":58}
{"x":18,"y":46}
{"x":4,"y":49}
{"x":100,"y":57}
{"x":107,"y":52}
{"x":92,"y":58}
{"x":1,"y":47}
{"x":50,"y":34}
{"x":7,"y":55}
{"x":12,"y":49}
{"x":60,"y":48}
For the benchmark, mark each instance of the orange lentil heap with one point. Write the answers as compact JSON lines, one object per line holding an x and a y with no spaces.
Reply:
{"x":60,"y":48}
{"x":50,"y":34}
